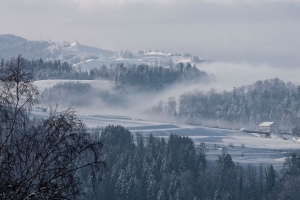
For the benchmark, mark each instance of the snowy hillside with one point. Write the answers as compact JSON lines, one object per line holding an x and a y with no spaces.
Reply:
{"x":150,"y":57}
{"x":86,"y":57}
{"x":77,"y":48}
{"x":11,"y":46}
{"x":43,"y":84}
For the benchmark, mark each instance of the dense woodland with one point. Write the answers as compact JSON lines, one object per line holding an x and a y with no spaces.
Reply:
{"x":142,"y":77}
{"x":174,"y":168}
{"x":149,"y":78}
{"x":269,"y":100}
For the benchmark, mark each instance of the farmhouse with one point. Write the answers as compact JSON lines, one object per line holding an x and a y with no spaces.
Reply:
{"x":268,"y":127}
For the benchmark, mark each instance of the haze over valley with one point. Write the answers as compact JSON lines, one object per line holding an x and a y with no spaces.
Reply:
{"x":150,"y":100}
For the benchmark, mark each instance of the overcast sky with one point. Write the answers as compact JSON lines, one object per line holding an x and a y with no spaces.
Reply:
{"x":257,"y":31}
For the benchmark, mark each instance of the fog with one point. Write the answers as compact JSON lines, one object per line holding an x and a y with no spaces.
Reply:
{"x":233,"y":74}
{"x":133,"y":103}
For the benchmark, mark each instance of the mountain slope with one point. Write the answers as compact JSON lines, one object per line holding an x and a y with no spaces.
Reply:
{"x":86,"y":57}
{"x":77,"y":48}
{"x":11,"y":46}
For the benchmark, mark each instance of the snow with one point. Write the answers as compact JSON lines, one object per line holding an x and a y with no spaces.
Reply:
{"x":87,"y":57}
{"x":245,"y":148}
{"x":43,"y":84}
{"x":77,"y":48}
{"x":92,"y":63}
{"x":156,"y":53}
{"x":266,"y":124}
{"x":296,"y":139}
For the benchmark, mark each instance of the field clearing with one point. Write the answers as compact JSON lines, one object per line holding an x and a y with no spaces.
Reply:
{"x":244,"y":148}
{"x":43,"y":84}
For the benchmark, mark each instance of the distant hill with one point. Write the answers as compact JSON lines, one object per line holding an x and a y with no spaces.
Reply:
{"x":86,"y":57}
{"x":11,"y":46}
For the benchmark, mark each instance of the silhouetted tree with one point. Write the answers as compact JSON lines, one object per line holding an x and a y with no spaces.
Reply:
{"x":41,"y":159}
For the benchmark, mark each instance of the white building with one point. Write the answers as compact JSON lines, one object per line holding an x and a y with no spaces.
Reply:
{"x":268,"y":126}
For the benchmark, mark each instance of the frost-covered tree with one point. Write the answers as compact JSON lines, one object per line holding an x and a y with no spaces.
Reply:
{"x":42,"y":158}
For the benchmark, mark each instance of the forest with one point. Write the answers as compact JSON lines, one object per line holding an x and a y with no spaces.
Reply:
{"x":154,"y":78}
{"x":174,"y":168}
{"x":249,"y":105}
{"x":141,"y":76}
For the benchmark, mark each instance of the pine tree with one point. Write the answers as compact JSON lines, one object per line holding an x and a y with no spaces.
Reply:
{"x":270,"y":178}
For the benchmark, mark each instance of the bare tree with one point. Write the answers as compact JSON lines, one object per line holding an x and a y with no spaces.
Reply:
{"x":41,"y":159}
{"x":17,"y":93}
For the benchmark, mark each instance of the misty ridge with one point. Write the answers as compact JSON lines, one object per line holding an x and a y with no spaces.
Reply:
{"x":126,"y":84}
{"x":161,"y":86}
{"x":148,"y":92}
{"x":150,"y":100}
{"x":130,"y":88}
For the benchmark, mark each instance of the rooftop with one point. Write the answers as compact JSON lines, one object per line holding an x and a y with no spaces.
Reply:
{"x":266,"y":124}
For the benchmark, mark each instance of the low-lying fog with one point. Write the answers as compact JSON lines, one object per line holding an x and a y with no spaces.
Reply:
{"x":231,"y":74}
{"x":134,"y":104}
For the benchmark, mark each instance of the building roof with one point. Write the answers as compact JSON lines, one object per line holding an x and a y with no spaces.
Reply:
{"x":266,"y":124}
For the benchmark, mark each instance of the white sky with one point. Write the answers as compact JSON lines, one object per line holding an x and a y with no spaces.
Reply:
{"x":253,"y":31}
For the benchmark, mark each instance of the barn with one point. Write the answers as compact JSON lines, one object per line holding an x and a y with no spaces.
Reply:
{"x":268,"y":126}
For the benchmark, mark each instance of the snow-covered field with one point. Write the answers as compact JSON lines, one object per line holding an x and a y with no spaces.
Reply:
{"x":244,"y":148}
{"x":43,"y":84}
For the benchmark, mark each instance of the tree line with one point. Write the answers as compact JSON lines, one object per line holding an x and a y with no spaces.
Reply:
{"x":250,"y":105}
{"x":144,"y":77}
{"x":139,"y":76}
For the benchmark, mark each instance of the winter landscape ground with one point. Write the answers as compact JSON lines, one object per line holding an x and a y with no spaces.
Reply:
{"x":150,"y":100}
{"x":245,"y":148}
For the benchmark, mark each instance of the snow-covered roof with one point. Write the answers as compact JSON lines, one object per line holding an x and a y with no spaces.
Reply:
{"x":266,"y":124}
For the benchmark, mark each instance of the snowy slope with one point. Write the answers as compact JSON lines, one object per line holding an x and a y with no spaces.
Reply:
{"x":77,"y":48}
{"x":43,"y":84}
{"x":86,"y":57}
{"x":151,"y":59}
{"x":11,"y":46}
